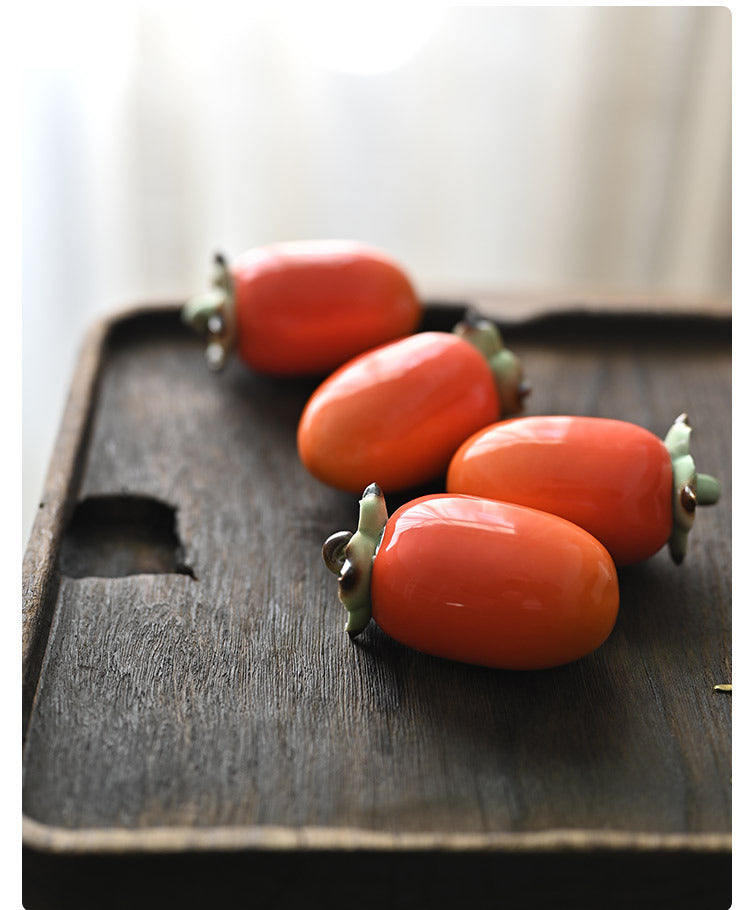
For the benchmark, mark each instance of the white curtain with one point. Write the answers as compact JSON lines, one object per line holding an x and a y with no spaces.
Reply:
{"x":486,"y":146}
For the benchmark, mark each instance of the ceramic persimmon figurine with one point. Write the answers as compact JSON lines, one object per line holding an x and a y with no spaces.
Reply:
{"x":395,"y":415}
{"x":631,"y":490}
{"x":475,"y":580}
{"x":303,"y":307}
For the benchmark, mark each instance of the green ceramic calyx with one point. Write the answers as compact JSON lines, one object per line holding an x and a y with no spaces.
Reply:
{"x":689,"y":488}
{"x":212,"y":315}
{"x":512,"y":387}
{"x":350,"y":557}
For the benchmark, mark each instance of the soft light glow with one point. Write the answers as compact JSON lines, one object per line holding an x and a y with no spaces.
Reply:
{"x":364,"y":40}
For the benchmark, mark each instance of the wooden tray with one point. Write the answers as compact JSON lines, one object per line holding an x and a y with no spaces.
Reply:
{"x":198,"y":727}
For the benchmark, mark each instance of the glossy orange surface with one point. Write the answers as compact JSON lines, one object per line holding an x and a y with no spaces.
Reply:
{"x":491,"y":583}
{"x":395,"y":415}
{"x":307,"y":307}
{"x":611,"y":477}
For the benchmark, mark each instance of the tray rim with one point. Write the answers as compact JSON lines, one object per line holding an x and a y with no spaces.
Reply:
{"x":222,"y":838}
{"x":39,"y":585}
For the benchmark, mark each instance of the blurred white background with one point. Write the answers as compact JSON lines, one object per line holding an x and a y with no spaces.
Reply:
{"x":487,"y":146}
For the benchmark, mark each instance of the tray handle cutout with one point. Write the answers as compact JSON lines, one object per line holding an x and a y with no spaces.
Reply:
{"x":110,"y":536}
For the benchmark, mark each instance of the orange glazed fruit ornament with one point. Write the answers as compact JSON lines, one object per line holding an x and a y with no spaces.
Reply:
{"x":304,"y":307}
{"x":632,"y":491}
{"x":397,"y":413}
{"x":476,"y":580}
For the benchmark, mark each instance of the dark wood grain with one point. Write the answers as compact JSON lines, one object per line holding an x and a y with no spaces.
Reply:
{"x":215,"y":702}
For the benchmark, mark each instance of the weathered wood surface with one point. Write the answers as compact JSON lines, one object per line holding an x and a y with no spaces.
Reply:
{"x":213,"y":703}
